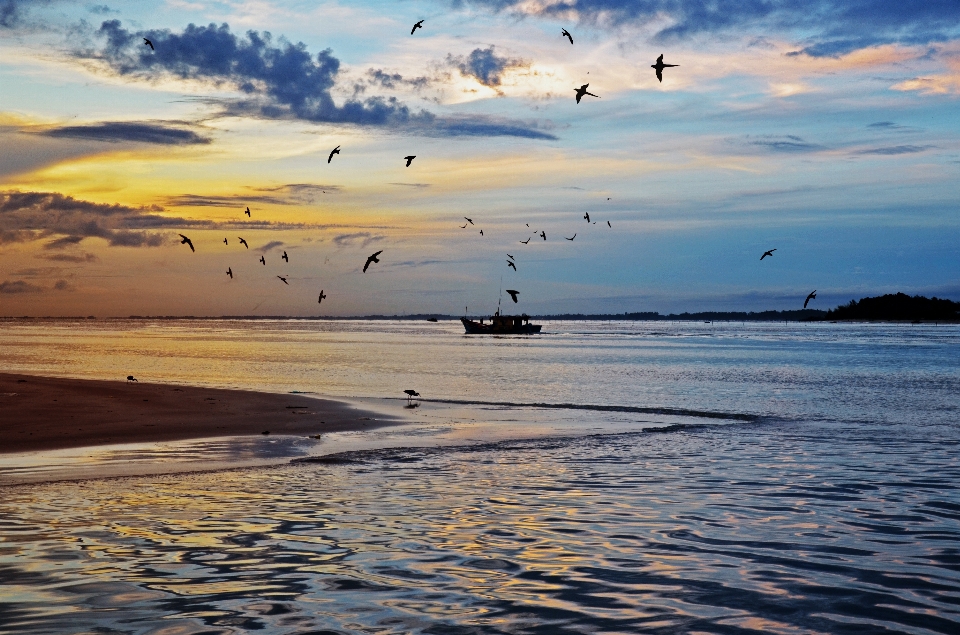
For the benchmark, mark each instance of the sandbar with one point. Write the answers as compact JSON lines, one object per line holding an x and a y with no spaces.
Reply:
{"x":50,"y":413}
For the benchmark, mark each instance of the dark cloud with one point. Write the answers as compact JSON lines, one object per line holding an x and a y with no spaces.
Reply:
{"x":300,"y":192}
{"x":886,"y":125}
{"x":270,"y":245}
{"x":18,"y":286}
{"x":420,"y":185}
{"x":60,"y":257}
{"x":394,"y":80}
{"x":831,"y":27}
{"x":162,"y":133}
{"x":101,"y":9}
{"x":484,"y":65}
{"x":361,"y":239}
{"x":894,"y":150}
{"x":780,"y":143}
{"x":198,"y":200}
{"x":63,"y":285}
{"x":29,"y":216}
{"x":278,"y":80}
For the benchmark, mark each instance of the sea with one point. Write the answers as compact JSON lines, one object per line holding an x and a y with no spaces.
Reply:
{"x":601,"y":477}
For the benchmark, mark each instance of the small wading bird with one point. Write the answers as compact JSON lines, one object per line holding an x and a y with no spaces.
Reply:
{"x":418,"y":25}
{"x":409,"y":159}
{"x":230,"y":272}
{"x":510,"y":264}
{"x":574,"y":236}
{"x":333,"y":152}
{"x":468,"y":220}
{"x":147,"y":42}
{"x":131,"y":378}
{"x":284,"y":256}
{"x":513,"y":294}
{"x":370,"y":259}
{"x":812,"y":296}
{"x":587,"y":216}
{"x":659,"y":66}
{"x":543,"y":235}
{"x":186,"y":241}
{"x":524,"y":242}
{"x":225,"y":242}
{"x":284,"y":280}
{"x":411,"y":394}
{"x":566,"y":34}
{"x":583,"y":91}
{"x":322,"y":296}
{"x":247,"y":212}
{"x":242,"y":242}
{"x":767,"y":253}
{"x":262,"y":261}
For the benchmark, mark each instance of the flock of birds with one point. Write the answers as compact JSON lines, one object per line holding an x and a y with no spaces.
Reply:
{"x":580,"y":92}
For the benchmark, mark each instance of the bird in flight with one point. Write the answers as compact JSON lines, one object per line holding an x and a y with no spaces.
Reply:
{"x":565,"y":33}
{"x":543,"y":235}
{"x":186,"y":241}
{"x":242,"y":242}
{"x":409,"y":159}
{"x":510,"y":264}
{"x":147,"y":42}
{"x":230,"y":272}
{"x":333,"y":152}
{"x":247,"y":212}
{"x":587,"y":216}
{"x":468,"y":220}
{"x":659,"y":66}
{"x":574,"y":236}
{"x":767,"y":253}
{"x":510,"y":257}
{"x":524,"y":242}
{"x":481,"y":232}
{"x":262,"y":261}
{"x":322,"y":296}
{"x":812,"y":296}
{"x":513,"y":294}
{"x":370,"y":259}
{"x":225,"y":242}
{"x":284,"y":256}
{"x":284,"y":280}
{"x":418,"y":25}
{"x":464,"y":226}
{"x":609,"y":225}
{"x":583,"y":91}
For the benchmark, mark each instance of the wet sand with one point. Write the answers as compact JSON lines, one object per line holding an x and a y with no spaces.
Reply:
{"x":47,"y":413}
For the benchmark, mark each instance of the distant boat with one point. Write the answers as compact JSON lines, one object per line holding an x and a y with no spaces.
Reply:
{"x":501,"y":325}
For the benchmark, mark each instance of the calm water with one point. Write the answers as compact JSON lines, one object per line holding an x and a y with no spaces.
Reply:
{"x":808,"y":484}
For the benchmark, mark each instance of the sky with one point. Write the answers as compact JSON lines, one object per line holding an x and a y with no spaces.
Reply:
{"x":827,"y":130}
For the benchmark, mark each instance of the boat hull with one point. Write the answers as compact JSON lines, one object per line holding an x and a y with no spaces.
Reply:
{"x":501,"y":325}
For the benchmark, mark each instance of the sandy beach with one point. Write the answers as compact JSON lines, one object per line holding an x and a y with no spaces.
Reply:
{"x":47,"y":413}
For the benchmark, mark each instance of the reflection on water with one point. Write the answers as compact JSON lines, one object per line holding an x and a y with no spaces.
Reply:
{"x":742,"y":528}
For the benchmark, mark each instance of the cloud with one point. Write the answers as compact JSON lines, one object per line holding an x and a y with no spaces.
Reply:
{"x":419,"y":185}
{"x":30,"y":216}
{"x":884,"y":125}
{"x":270,"y":245}
{"x":162,"y":133}
{"x":484,"y":65}
{"x":779,"y":143}
{"x":63,"y":285}
{"x":81,"y":257}
{"x":198,"y":200}
{"x":831,"y":27}
{"x":394,"y":80}
{"x":361,"y":239}
{"x":894,"y":150}
{"x":18,"y":286}
{"x":277,"y":80}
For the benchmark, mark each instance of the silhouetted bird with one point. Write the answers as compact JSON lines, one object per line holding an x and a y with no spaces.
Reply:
{"x":230,"y":272}
{"x":262,"y":261}
{"x":243,"y":242}
{"x":418,"y":25}
{"x":147,"y":42}
{"x":524,"y":242}
{"x":468,"y":220}
{"x":574,"y":236}
{"x":587,"y":216}
{"x":322,"y":296}
{"x":225,"y":242}
{"x":767,"y":253}
{"x":513,"y":294}
{"x":370,"y":259}
{"x":812,"y":296}
{"x":583,"y":91}
{"x":131,"y":378}
{"x":247,"y":212}
{"x":609,"y":225}
{"x":411,"y":394}
{"x":510,"y":264}
{"x":464,"y":226}
{"x":510,"y":257}
{"x":659,"y":66}
{"x":284,"y":256}
{"x":284,"y":280}
{"x":186,"y":241}
{"x":481,"y":232}
{"x":543,"y":235}
{"x":409,"y":159}
{"x":333,"y":152}
{"x":565,"y":33}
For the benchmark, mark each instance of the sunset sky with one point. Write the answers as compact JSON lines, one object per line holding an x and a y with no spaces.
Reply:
{"x":829,"y":131}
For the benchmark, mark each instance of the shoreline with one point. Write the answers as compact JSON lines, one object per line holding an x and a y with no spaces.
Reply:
{"x":49,"y":413}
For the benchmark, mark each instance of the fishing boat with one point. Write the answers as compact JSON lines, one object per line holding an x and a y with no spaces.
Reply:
{"x":501,"y":325}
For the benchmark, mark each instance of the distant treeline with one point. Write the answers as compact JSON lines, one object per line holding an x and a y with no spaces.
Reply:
{"x":897,"y":307}
{"x":733,"y":316}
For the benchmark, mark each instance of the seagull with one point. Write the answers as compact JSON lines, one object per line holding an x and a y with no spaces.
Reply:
{"x":147,"y":42}
{"x":333,"y":152}
{"x":510,"y":264}
{"x":513,"y":294}
{"x":464,"y":226}
{"x":609,"y":225}
{"x":370,"y":259}
{"x":468,"y":220}
{"x":481,"y":232}
{"x":583,"y":91}
{"x":418,"y":25}
{"x":659,"y":66}
{"x":564,"y":32}
{"x":230,"y":272}
{"x":284,"y":256}
{"x":409,"y":159}
{"x":574,"y":236}
{"x":186,"y":241}
{"x":247,"y":212}
{"x":812,"y":296}
{"x":543,"y":235}
{"x":767,"y":253}
{"x":411,"y":394}
{"x":242,"y":242}
{"x":262,"y":261}
{"x":284,"y":280}
{"x":587,"y":216}
{"x":225,"y":242}
{"x":322,"y":296}
{"x":524,"y":242}
{"x":510,"y":257}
